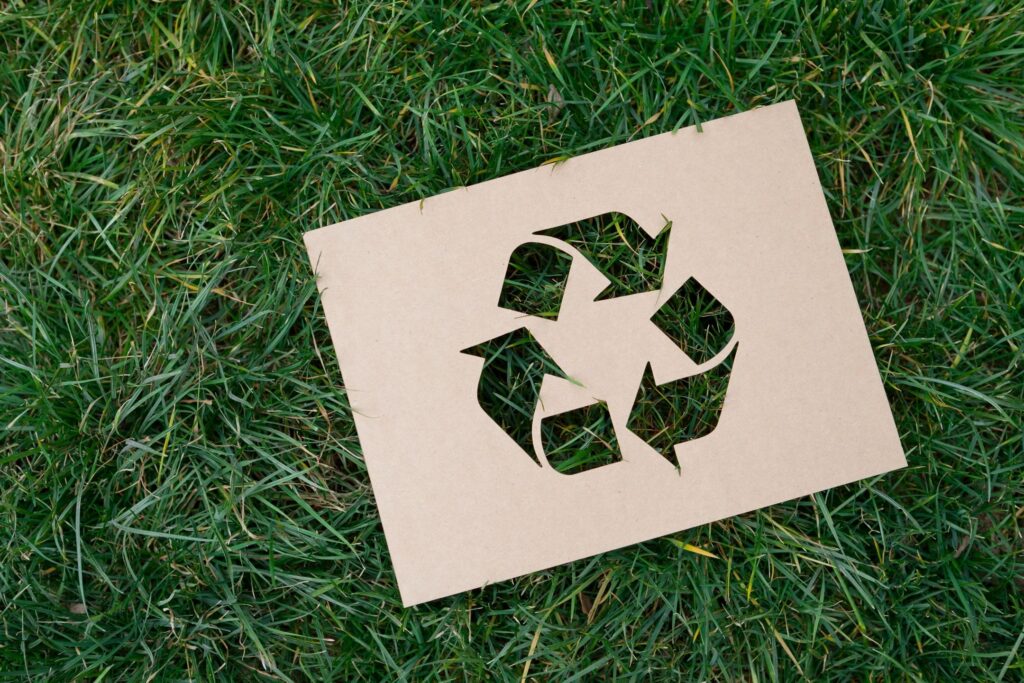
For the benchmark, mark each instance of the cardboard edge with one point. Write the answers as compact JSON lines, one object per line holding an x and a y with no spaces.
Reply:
{"x":421,"y":204}
{"x":412,"y":601}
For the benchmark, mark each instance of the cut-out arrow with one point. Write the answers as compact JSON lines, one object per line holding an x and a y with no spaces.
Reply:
{"x":620,"y":249}
{"x":667,"y":414}
{"x":535,"y":280}
{"x":579,"y":440}
{"x":509,"y":386}
{"x":696,"y":321}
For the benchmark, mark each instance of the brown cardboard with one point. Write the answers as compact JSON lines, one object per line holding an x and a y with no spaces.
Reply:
{"x":407,"y":289}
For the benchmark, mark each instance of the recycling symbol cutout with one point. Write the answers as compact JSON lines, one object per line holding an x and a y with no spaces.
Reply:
{"x":516,"y":363}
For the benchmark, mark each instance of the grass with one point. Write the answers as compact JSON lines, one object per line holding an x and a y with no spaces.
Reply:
{"x":182,"y":495}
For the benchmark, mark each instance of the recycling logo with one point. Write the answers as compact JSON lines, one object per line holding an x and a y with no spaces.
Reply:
{"x":515,"y":364}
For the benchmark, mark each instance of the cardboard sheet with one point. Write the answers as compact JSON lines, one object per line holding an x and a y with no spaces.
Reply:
{"x":464,"y":502}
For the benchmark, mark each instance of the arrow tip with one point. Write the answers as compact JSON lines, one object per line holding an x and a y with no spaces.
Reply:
{"x":645,"y":418}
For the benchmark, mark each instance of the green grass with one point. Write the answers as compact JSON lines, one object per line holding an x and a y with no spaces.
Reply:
{"x":182,"y":494}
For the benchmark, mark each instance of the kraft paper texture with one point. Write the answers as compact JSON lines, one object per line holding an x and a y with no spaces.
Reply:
{"x":407,"y":289}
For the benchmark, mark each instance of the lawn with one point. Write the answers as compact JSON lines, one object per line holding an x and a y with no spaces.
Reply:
{"x":182,"y":492}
